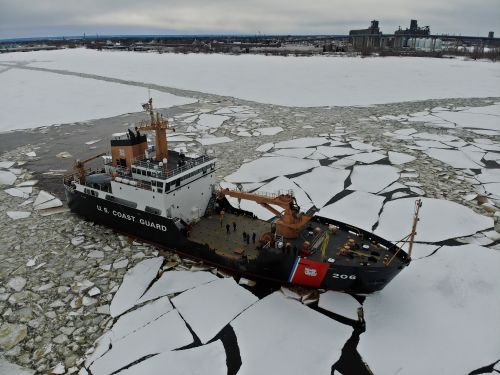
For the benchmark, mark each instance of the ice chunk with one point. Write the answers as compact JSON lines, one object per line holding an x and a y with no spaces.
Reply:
{"x":43,"y":197}
{"x":165,"y":333}
{"x":408,"y":131}
{"x":208,"y":359}
{"x":7,"y":178}
{"x":455,"y":286}
{"x":211,"y":121}
{"x":322,"y":184}
{"x":209,"y":307}
{"x":280,"y":335}
{"x":135,"y":283}
{"x":15,"y":215}
{"x":372,"y":178}
{"x":358,"y":208}
{"x":302,"y":142}
{"x":363,"y":146}
{"x":172,"y":282}
{"x":265,"y":147}
{"x":439,"y":220}
{"x":367,"y":157}
{"x":28,"y":183}
{"x":294,"y":152}
{"x":400,"y":158}
{"x":270,"y":130}
{"x":7,"y":368}
{"x":331,"y":152}
{"x":213,"y":140}
{"x":339,"y":303}
{"x":266,"y":168}
{"x":6,"y":164}
{"x":56,"y":202}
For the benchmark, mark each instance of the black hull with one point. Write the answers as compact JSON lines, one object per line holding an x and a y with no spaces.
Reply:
{"x":270,"y":265}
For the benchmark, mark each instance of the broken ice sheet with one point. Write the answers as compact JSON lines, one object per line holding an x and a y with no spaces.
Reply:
{"x":208,"y":359}
{"x":439,"y":220}
{"x":331,"y":152}
{"x":322,"y":184}
{"x":6,"y":164}
{"x":339,"y":303}
{"x":279,"y":335}
{"x":270,"y":130}
{"x":18,"y":192}
{"x":367,"y":157}
{"x":358,"y":208}
{"x":171,"y":282}
{"x":165,"y":333}
{"x":266,"y":168}
{"x":442,"y":307}
{"x":209,"y":307}
{"x":372,"y":178}
{"x":135,"y":283}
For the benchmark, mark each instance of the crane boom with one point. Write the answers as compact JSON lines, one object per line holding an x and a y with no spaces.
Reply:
{"x":289,"y":222}
{"x":79,"y":166}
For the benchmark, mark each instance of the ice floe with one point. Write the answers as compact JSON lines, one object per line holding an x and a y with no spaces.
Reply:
{"x":358,"y":208}
{"x":440,"y":316}
{"x":302,"y":142}
{"x":266,"y":168}
{"x":331,"y":152}
{"x":7,"y":178}
{"x":270,"y":130}
{"x":372,"y":178}
{"x":175,"y":282}
{"x":400,"y":158}
{"x":209,"y":307}
{"x":7,"y":164}
{"x":135,"y":283}
{"x":339,"y":303}
{"x":208,"y":359}
{"x":439,"y":220}
{"x":22,"y":192}
{"x":165,"y":333}
{"x":16,"y":215}
{"x":322,"y":184}
{"x":280,"y":335}
{"x":367,"y":157}
{"x":207,"y":141}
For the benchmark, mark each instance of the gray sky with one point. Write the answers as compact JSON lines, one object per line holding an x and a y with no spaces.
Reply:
{"x":23,"y":18}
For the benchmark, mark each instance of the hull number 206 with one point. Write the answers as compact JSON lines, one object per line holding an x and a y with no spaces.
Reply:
{"x":343,"y":276}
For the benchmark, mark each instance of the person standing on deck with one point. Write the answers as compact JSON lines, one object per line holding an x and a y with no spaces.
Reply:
{"x":244,"y":237}
{"x":234,"y":226}
{"x":221,"y":216}
{"x":228,"y":227}
{"x":253,"y":237}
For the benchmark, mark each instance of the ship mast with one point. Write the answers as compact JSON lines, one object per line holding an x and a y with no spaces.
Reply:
{"x":411,"y":236}
{"x":159,"y":126}
{"x":418,"y":204}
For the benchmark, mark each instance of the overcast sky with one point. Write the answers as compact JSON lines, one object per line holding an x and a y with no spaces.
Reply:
{"x":25,"y":18}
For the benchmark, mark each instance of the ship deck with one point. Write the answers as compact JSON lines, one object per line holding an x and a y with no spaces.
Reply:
{"x":344,"y":247}
{"x":209,"y":230}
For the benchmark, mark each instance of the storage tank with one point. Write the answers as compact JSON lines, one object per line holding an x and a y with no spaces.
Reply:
{"x":428,"y":44}
{"x":439,"y":45}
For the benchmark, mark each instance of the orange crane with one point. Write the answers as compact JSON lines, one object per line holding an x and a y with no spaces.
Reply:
{"x":289,"y":222}
{"x":79,"y":166}
{"x":159,"y":126}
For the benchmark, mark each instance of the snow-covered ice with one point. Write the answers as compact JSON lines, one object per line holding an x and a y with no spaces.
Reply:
{"x":279,"y":335}
{"x":210,"y":307}
{"x":439,"y":317}
{"x":207,"y":141}
{"x":134,"y":284}
{"x":439,"y":220}
{"x":367,"y":157}
{"x":331,"y":152}
{"x":273,"y":130}
{"x":455,"y":158}
{"x":357,"y":81}
{"x":358,"y":208}
{"x":78,"y":99}
{"x":175,"y":282}
{"x":208,"y":359}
